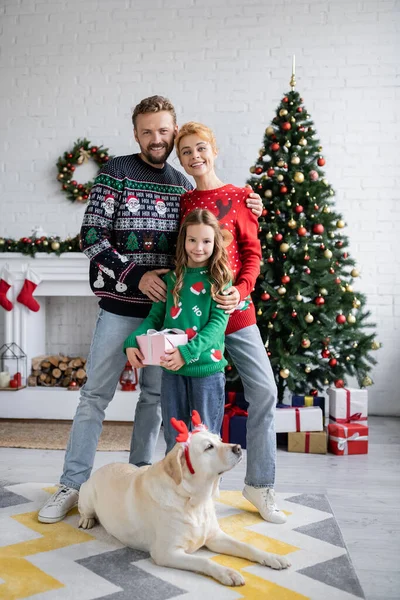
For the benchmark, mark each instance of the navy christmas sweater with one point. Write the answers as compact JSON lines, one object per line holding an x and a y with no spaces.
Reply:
{"x":130,"y":227}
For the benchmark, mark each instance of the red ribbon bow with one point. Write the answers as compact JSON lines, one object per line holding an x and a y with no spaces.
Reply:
{"x":231,"y":410}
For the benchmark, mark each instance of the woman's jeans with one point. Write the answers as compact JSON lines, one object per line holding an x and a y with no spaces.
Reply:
{"x":104,"y":366}
{"x":180,"y":395}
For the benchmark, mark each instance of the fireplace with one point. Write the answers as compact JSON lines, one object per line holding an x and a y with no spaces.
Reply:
{"x":63,"y":276}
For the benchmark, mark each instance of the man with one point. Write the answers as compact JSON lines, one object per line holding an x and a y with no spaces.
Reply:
{"x":129,"y":234}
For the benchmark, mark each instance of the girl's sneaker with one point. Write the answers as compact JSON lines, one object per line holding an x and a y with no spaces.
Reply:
{"x":58,"y":505}
{"x":264,"y":500}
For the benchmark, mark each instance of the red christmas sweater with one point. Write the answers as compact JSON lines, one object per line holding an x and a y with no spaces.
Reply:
{"x":240,"y":230}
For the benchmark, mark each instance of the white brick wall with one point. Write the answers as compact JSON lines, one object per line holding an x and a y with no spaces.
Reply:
{"x":72,"y":69}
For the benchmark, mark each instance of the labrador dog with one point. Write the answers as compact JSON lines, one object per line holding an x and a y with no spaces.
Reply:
{"x":167,"y":509}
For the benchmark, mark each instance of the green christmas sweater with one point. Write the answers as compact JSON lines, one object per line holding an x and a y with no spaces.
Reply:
{"x":197,"y":314}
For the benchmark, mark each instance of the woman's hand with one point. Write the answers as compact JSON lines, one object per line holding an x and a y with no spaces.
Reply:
{"x":228,"y":300}
{"x":173,"y":361}
{"x":135,"y":357}
{"x":254,"y":202}
{"x":153,"y":286}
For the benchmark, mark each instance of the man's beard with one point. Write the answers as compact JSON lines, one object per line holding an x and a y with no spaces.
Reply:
{"x":160,"y":158}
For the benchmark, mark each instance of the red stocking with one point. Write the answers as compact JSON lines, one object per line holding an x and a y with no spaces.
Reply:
{"x":25,"y":296}
{"x":5,"y":284}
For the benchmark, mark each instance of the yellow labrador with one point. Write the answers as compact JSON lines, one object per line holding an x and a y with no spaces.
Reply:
{"x":167,"y":509}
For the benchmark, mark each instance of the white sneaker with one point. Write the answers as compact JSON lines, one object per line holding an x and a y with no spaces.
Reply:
{"x":264,"y":500}
{"x":58,"y":505}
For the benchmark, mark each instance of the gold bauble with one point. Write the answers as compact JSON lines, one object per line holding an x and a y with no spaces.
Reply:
{"x":79,"y":198}
{"x":355,"y":344}
{"x":293,"y":120}
{"x":288,"y":144}
{"x":280,"y":163}
{"x":303,"y":142}
{"x":375,"y":345}
{"x":309,"y":318}
{"x":283,"y":112}
{"x":288,"y":203}
{"x":270,"y":130}
{"x":261,"y":151}
{"x":269,"y":236}
{"x":55,"y":245}
{"x":323,"y":292}
{"x":307,"y":369}
{"x":340,"y":224}
{"x":354,"y":273}
{"x":270,"y":325}
{"x":305,"y":343}
{"x":60,"y":176}
{"x":299,"y":297}
{"x":281,"y":290}
{"x":284,"y":247}
{"x":252,"y":169}
{"x":326,"y":209}
{"x":298,"y":177}
{"x":348,"y":288}
{"x":332,"y":235}
{"x":284,"y":373}
{"x":356,"y":303}
{"x":295,"y":160}
{"x":259,"y":312}
{"x":268,"y":194}
{"x":45,"y":243}
{"x":266,"y":345}
{"x":366,"y":381}
{"x":65,"y":169}
{"x":292,"y":223}
{"x":328,"y":253}
{"x":351,"y":319}
{"x":75,"y":190}
{"x":319,"y":148}
{"x":80,"y":160}
{"x":280,"y":177}
{"x":348,"y":359}
{"x":325,"y":181}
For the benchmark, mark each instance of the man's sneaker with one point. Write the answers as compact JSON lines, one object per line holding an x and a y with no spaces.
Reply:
{"x":264,"y":500}
{"x":58,"y":505}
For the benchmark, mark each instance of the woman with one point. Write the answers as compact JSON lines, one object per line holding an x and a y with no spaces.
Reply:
{"x":197,"y":151}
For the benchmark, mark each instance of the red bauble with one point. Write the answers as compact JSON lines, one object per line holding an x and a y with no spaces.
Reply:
{"x":74,"y":183}
{"x":229,"y":368}
{"x":299,"y":109}
{"x":307,"y":270}
{"x":318,"y":229}
{"x":85,"y":196}
{"x":270,"y":259}
{"x":274,"y":315}
{"x":69,"y":155}
{"x":341,"y":319}
{"x":345,"y":254}
{"x":316,"y":207}
{"x":258,"y":171}
{"x":264,"y":212}
{"x":322,"y":246}
{"x":277,"y":212}
{"x":285,"y":99}
{"x":333,"y":362}
{"x":283,"y":189}
{"x":38,"y":242}
{"x":271,"y":172}
{"x":339,"y":383}
{"x":72,"y":169}
{"x":278,"y":237}
{"x":306,"y":257}
{"x":265,"y":296}
{"x":294,"y":314}
{"x":298,"y":209}
{"x":275,"y":146}
{"x":339,"y":244}
{"x":321,"y":161}
{"x":313,"y":392}
{"x":286,"y":126}
{"x":302,"y":231}
{"x":285,"y":279}
{"x":338,"y":280}
{"x":325,"y":353}
{"x":331,"y":270}
{"x":319,"y":300}
{"x":93,"y":150}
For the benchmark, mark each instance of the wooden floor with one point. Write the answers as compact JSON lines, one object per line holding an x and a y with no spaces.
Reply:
{"x":363,"y":491}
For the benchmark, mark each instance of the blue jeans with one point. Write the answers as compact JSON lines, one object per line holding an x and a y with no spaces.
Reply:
{"x":248,"y":353}
{"x":104,"y":366}
{"x":181,"y":394}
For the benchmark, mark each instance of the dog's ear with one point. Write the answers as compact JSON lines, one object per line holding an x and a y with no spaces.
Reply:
{"x":173,"y":464}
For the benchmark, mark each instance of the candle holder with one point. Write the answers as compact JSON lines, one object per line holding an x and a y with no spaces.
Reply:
{"x":129,"y":378}
{"x":13,"y":368}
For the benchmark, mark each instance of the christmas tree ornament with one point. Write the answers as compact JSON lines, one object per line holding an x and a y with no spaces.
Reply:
{"x":285,"y":279}
{"x":354,"y":273}
{"x":341,"y":319}
{"x":271,"y":172}
{"x":339,"y":383}
{"x":270,"y":325}
{"x":280,"y":163}
{"x":280,"y":177}
{"x":309,"y":318}
{"x":307,"y":270}
{"x":326,"y":210}
{"x":333,"y":362}
{"x":265,"y":296}
{"x":307,"y":369}
{"x":55,"y":245}
{"x":325,"y":353}
{"x":274,"y":315}
{"x":295,"y":160}
{"x":340,"y":224}
{"x":306,"y":257}
{"x":323,"y":291}
{"x":259,"y":312}
{"x":348,"y":359}
{"x":281,"y":290}
{"x":313,"y":175}
{"x":298,"y":177}
{"x":375,"y":345}
{"x":284,"y":247}
{"x":299,"y":298}
{"x":283,"y":189}
{"x":319,"y":300}
{"x":270,"y":259}
{"x":367,"y":381}
{"x":294,"y":314}
{"x":252,"y":170}
{"x":283,"y":112}
{"x":292,"y":223}
{"x":268,"y":194}
{"x":288,"y":144}
{"x":354,"y":344}
{"x":275,"y":147}
{"x":286,"y":126}
{"x":351,"y":319}
{"x":349,"y":288}
{"x":284,"y":373}
{"x":318,"y":229}
{"x":288,"y":203}
{"x":278,"y":237}
{"x":345,"y":254}
{"x":270,"y":131}
{"x":328,"y":253}
{"x":314,"y":392}
{"x":258,"y":170}
{"x":321,"y":161}
{"x":298,"y":208}
{"x":302,"y":142}
{"x":305,"y":342}
{"x":325,"y":181}
{"x":302,"y":231}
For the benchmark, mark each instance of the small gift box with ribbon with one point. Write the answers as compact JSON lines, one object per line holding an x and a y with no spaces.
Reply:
{"x":348,"y":405}
{"x":349,"y":438}
{"x":154,"y":344}
{"x":234,"y":424}
{"x":236,"y":398}
{"x":309,"y":401}
{"x":304,"y":418}
{"x":309,"y":442}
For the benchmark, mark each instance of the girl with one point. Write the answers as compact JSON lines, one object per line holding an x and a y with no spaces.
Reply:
{"x":193,"y":375}
{"x":196,"y":150}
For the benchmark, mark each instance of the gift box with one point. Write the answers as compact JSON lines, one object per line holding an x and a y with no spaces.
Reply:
{"x":236,"y":398}
{"x":309,"y":401}
{"x":234,"y":425}
{"x":347,"y":405}
{"x":309,"y":442}
{"x":349,"y":438}
{"x":154,"y":344}
{"x":305,"y":418}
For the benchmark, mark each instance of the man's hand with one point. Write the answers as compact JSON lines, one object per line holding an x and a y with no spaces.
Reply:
{"x":173,"y":361}
{"x":254,"y":202}
{"x":135,"y":357}
{"x":228,"y":300}
{"x":153,"y":286}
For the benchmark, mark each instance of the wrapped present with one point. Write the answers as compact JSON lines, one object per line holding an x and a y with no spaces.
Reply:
{"x":304,"y":418}
{"x":234,"y":425}
{"x":312,"y":442}
{"x":349,"y":438}
{"x":154,"y":343}
{"x":236,"y":398}
{"x":309,"y":401}
{"x":348,"y":405}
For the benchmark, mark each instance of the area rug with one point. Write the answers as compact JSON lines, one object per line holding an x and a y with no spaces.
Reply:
{"x":62,"y":562}
{"x":53,"y":435}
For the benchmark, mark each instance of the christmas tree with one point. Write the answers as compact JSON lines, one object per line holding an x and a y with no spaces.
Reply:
{"x":132,"y":243}
{"x":312,"y":321}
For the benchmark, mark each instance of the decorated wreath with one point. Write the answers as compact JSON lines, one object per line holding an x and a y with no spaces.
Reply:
{"x":66,"y":165}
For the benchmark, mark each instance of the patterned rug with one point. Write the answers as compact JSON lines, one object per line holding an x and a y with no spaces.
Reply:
{"x":62,"y":562}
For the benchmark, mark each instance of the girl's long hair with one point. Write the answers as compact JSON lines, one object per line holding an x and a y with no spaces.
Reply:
{"x":218,"y":265}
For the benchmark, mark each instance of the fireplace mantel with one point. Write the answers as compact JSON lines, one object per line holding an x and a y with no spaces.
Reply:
{"x":65,"y":275}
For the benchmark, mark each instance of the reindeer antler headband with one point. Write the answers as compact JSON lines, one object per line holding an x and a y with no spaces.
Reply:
{"x":185,"y":435}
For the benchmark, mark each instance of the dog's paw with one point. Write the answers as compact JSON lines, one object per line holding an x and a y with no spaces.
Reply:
{"x":230,"y":577}
{"x":86,"y":522}
{"x":276,"y":562}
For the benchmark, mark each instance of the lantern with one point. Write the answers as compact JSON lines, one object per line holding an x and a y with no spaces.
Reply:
{"x":129,"y":378}
{"x":12,"y":367}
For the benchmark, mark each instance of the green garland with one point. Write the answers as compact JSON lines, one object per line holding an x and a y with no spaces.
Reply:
{"x":44,"y":245}
{"x":66,"y":165}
